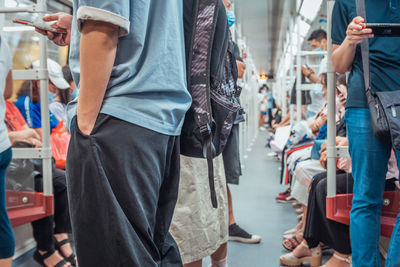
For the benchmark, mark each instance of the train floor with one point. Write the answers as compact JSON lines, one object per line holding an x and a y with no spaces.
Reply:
{"x":255,"y":210}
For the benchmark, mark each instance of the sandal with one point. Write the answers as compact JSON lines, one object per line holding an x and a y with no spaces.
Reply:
{"x":293,"y":243}
{"x":347,"y":260}
{"x":288,"y":236}
{"x":71,"y":259}
{"x":315,"y":259}
{"x":39,"y":258}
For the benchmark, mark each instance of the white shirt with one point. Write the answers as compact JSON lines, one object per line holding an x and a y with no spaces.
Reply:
{"x":59,"y":111}
{"x":5,"y":67}
{"x":317,"y":97}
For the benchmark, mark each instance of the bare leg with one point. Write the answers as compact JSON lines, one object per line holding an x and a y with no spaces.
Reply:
{"x":220,"y":254}
{"x":304,"y":217}
{"x":335,"y":262}
{"x":231,"y":217}
{"x":6,"y":262}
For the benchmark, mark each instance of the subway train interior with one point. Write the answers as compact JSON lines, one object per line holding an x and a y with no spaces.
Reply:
{"x":180,"y":100}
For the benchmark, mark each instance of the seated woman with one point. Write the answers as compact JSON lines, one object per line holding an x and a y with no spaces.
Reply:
{"x":28,"y":101}
{"x":50,"y":233}
{"x":319,"y":229}
{"x":305,"y":170}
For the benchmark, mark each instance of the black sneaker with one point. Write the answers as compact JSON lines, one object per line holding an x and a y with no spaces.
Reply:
{"x":239,"y":235}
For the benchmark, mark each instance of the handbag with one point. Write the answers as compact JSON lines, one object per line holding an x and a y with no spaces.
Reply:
{"x":383,"y":106}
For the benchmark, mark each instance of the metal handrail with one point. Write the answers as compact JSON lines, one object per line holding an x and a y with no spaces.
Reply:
{"x":41,"y":74}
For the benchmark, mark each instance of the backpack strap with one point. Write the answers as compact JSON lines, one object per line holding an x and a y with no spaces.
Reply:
{"x":206,"y":12}
{"x":361,"y":11}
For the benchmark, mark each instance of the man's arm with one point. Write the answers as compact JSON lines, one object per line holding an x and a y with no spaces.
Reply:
{"x":98,"y":50}
{"x":343,"y":55}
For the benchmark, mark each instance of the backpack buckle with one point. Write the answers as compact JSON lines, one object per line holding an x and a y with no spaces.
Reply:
{"x":205,"y":130}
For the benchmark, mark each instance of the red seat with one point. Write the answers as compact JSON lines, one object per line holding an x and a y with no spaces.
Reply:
{"x":338,"y":209}
{"x":25,"y":207}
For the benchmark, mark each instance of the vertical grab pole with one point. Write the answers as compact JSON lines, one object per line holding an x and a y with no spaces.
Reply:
{"x":331,"y":166}
{"x":291,"y":70}
{"x":298,"y":71}
{"x":44,"y":87}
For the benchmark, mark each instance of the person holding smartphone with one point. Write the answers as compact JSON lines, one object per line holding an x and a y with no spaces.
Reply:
{"x":369,"y":156}
{"x":128,"y":60}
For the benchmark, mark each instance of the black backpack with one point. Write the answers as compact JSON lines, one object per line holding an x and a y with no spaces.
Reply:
{"x":211,"y":81}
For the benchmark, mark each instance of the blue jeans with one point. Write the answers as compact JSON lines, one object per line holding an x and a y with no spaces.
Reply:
{"x":369,"y":163}
{"x":7,"y":241}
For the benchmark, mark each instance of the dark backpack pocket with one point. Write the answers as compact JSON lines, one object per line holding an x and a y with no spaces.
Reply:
{"x":224,"y":115}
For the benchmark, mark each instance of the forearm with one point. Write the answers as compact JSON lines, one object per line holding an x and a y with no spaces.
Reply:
{"x":343,"y":57}
{"x":8,"y":90}
{"x":314,"y":78}
{"x":98,"y":50}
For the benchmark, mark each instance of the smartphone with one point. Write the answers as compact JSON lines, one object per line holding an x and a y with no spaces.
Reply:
{"x":40,"y":24}
{"x":384,"y":29}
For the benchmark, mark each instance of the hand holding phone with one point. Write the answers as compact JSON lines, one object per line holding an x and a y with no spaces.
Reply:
{"x":59,"y":20}
{"x":39,"y":24}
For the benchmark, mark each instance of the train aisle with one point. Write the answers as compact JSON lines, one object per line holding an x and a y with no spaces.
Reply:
{"x":256,"y":211}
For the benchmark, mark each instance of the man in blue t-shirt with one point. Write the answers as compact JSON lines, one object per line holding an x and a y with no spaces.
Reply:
{"x":270,"y":106}
{"x":369,"y":156}
{"x":128,"y":60}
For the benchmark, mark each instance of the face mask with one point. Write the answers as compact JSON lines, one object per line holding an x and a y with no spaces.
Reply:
{"x":51,"y":96}
{"x":74,"y":94}
{"x":231,"y":18}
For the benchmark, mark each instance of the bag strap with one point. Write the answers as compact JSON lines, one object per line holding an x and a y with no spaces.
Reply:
{"x":361,"y":11}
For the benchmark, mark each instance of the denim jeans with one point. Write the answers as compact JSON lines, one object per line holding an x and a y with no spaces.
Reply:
{"x":369,"y":163}
{"x":7,"y":240}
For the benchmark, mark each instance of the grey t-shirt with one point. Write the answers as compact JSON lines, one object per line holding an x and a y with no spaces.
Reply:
{"x":148,"y":81}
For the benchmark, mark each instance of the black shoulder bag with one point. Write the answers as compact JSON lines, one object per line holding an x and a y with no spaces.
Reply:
{"x":383,"y":106}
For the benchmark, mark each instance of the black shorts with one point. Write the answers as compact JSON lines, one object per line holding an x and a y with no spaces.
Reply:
{"x":122,"y":186}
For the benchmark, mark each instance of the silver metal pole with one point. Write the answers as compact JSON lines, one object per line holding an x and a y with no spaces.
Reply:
{"x":298,"y":70}
{"x":44,"y":103}
{"x":331,"y":149}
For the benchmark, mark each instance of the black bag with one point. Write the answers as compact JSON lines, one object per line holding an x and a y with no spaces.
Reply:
{"x":383,"y":106}
{"x":211,"y":81}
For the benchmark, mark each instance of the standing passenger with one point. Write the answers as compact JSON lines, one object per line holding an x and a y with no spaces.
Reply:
{"x":369,"y":155}
{"x":7,"y":240}
{"x":128,"y":59}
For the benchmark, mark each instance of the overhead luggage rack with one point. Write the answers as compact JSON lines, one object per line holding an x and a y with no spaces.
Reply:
{"x":24,"y":205}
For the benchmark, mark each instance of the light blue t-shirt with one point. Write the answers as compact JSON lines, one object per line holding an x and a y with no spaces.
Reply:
{"x":270,"y":100}
{"x":148,"y":81}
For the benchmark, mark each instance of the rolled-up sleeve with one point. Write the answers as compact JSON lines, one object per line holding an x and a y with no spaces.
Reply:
{"x":110,"y":11}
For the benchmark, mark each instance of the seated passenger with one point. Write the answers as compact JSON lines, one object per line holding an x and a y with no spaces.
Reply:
{"x":51,"y":233}
{"x":319,"y":229}
{"x":73,"y":90}
{"x":28,"y":101}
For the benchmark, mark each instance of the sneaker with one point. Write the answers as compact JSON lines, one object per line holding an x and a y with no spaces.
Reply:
{"x":285,"y":192}
{"x":282,"y":198}
{"x":239,"y":235}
